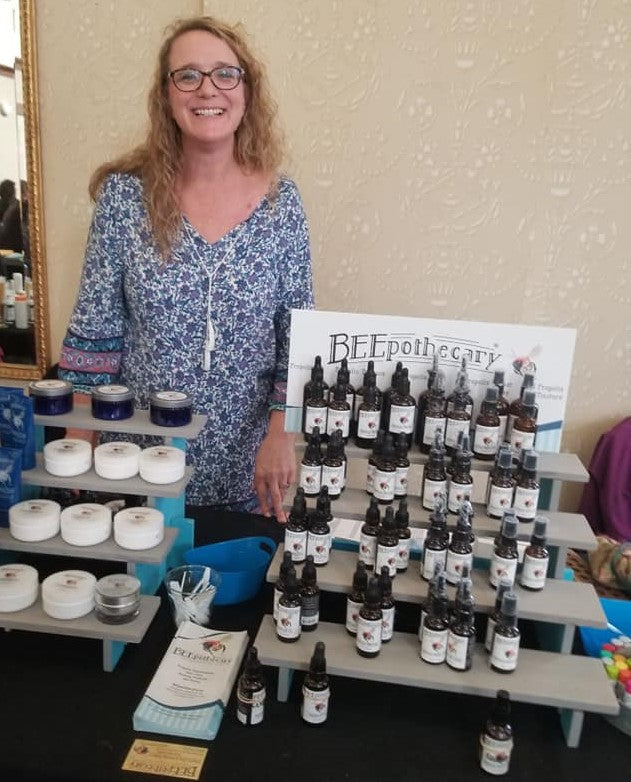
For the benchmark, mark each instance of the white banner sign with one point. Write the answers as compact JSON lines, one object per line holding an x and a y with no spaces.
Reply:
{"x":386,"y":339}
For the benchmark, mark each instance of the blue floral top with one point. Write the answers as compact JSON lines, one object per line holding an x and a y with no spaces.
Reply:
{"x":142,"y":322}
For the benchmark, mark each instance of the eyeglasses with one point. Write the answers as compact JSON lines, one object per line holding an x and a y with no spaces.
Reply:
{"x":224,"y":77}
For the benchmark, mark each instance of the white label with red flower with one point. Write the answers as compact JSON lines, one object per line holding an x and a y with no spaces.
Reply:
{"x":352,"y":614}
{"x":315,"y":416}
{"x":504,"y":652}
{"x":311,"y":478}
{"x":500,"y":499}
{"x":319,"y":546}
{"x":315,"y":705}
{"x":433,"y":645}
{"x":534,"y":571}
{"x":368,"y":424}
{"x":402,"y":419}
{"x":495,"y":754}
{"x":431,"y":491}
{"x":455,"y":564}
{"x":386,"y":555}
{"x":486,"y":440}
{"x":368,"y":637}
{"x":383,"y":485}
{"x":525,"y":502}
{"x":502,"y":567}
{"x":457,"y":493}
{"x":333,"y":479}
{"x":288,"y":621}
{"x":296,"y":543}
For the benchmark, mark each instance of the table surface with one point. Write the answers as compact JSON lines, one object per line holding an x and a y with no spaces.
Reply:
{"x":64,"y":718}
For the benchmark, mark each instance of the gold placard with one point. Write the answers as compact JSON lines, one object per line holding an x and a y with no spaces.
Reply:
{"x":160,"y":757}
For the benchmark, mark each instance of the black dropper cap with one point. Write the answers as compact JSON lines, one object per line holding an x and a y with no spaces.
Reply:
{"x":370,"y":376}
{"x":505,"y":459}
{"x":373,"y":514}
{"x":360,"y":578}
{"x":343,"y":374}
{"x":403,"y":386}
{"x":292,"y":587}
{"x":317,"y":663}
{"x":385,"y":582}
{"x":252,"y":667}
{"x":309,"y":576}
{"x":504,"y":586}
{"x":396,"y":374}
{"x":402,"y":516}
{"x":387,"y":452}
{"x":464,"y":598}
{"x":492,"y":395}
{"x":527,"y":382}
{"x":339,"y":392}
{"x":286,"y":566}
{"x":509,"y":607}
{"x":509,"y":529}
{"x":530,"y":461}
{"x":323,"y":503}
{"x":379,"y":441}
{"x":498,"y":378}
{"x":335,"y":446}
{"x":317,"y":373}
{"x":540,"y":531}
{"x":370,"y":394}
{"x":373,"y":592}
{"x":401,"y":445}
{"x":389,"y":524}
{"x":501,"y":708}
{"x":528,"y":401}
{"x":299,"y":505}
{"x":431,"y":373}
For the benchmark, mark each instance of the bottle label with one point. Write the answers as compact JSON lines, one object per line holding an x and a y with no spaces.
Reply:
{"x":500,"y":499}
{"x":434,"y":645}
{"x":504,"y":652}
{"x":296,"y":542}
{"x":367,"y":549}
{"x":534,"y":571}
{"x":333,"y":478}
{"x":403,"y":553}
{"x":486,"y":439}
{"x":401,"y":481}
{"x":277,"y":596}
{"x":387,"y":623}
{"x":368,"y":637}
{"x":495,"y":755}
{"x":457,"y":493}
{"x":431,"y":491}
{"x":310,"y":610}
{"x":288,"y":621}
{"x":502,"y":567}
{"x":383,"y":486}
{"x":315,"y":416}
{"x":319,"y":546}
{"x":402,"y":419}
{"x":490,"y":631}
{"x":454,"y":565}
{"x":310,"y":478}
{"x":315,"y":705}
{"x":368,"y":424}
{"x":457,"y":655}
{"x":250,"y":710}
{"x":386,"y":555}
{"x":521,"y":441}
{"x":352,"y":615}
{"x":454,"y":427}
{"x":370,"y":478}
{"x":338,"y":419}
{"x":429,"y":430}
{"x":430,"y":558}
{"x":525,"y":503}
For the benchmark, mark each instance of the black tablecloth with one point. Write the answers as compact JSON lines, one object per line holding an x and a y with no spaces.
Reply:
{"x":64,"y":718}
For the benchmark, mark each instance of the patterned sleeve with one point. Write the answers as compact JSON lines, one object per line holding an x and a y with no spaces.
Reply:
{"x":295,"y":289}
{"x":93,"y":344}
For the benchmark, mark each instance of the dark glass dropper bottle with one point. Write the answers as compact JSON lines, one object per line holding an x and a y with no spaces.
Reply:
{"x":251,"y":691}
{"x":316,"y":690}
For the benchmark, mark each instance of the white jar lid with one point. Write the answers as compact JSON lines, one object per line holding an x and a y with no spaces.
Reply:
{"x":68,"y":594}
{"x":86,"y":524}
{"x":138,"y":528}
{"x":170,"y":400}
{"x":112,"y":393}
{"x":34,"y":520}
{"x":162,"y":464}
{"x":67,"y":457}
{"x":19,"y":586}
{"x":50,"y":388}
{"x":117,"y":460}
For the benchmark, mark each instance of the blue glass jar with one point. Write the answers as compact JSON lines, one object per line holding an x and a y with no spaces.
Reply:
{"x":51,"y":397}
{"x":112,"y":402}
{"x":170,"y":408}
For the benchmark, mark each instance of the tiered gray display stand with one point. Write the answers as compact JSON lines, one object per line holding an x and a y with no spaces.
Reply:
{"x":149,"y":564}
{"x":572,"y":683}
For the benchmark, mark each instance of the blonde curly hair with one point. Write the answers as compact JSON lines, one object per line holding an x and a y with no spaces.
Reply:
{"x":258,"y":140}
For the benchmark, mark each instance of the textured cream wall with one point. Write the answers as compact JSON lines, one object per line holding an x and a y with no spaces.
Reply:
{"x":457,"y":159}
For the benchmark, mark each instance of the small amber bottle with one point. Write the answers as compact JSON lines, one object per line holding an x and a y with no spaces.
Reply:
{"x":387,"y":605}
{"x":288,"y":626}
{"x":496,"y":739}
{"x":402,"y":465}
{"x":368,"y":637}
{"x":368,"y":417}
{"x":251,"y":691}
{"x":356,"y":598}
{"x":514,"y":410}
{"x":422,"y":401}
{"x":501,"y":486}
{"x":461,"y":483}
{"x":311,"y":465}
{"x":524,"y":429}
{"x":385,"y":401}
{"x":315,"y":689}
{"x":387,"y":543}
{"x":435,"y":416}
{"x":339,"y":414}
{"x":527,"y":490}
{"x":315,"y":411}
{"x":505,"y":555}
{"x":402,"y":520}
{"x":296,"y":528}
{"x":436,"y":625}
{"x":286,"y":567}
{"x":461,"y":636}
{"x":536,"y":558}
{"x":461,"y":388}
{"x":436,"y":542}
{"x":402,"y":409}
{"x":370,"y":379}
{"x":368,"y":535}
{"x":317,"y":376}
{"x":487,"y":428}
{"x":504,"y":586}
{"x":434,"y":474}
{"x":385,"y":473}
{"x":334,"y":465}
{"x":505,"y":643}
{"x":373,"y":461}
{"x":502,"y":403}
{"x":458,"y":422}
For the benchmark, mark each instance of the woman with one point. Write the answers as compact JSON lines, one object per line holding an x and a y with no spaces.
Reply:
{"x":197,"y":252}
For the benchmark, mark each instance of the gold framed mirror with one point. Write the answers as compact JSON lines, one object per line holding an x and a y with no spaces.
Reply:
{"x":30,"y":345}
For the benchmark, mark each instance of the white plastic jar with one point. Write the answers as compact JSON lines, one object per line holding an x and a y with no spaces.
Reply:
{"x":68,"y":594}
{"x":19,"y":587}
{"x":138,"y":528}
{"x":86,"y":524}
{"x":162,"y":464}
{"x":117,"y":460}
{"x":34,"y":520}
{"x":67,"y":457}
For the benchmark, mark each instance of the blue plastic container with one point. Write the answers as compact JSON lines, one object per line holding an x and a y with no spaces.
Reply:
{"x":242,"y":564}
{"x":618,"y":613}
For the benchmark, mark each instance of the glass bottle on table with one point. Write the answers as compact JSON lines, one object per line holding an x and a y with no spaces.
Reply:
{"x":514,"y":410}
{"x":504,"y":586}
{"x":343,"y":379}
{"x":505,"y":554}
{"x":310,"y":597}
{"x":317,"y":376}
{"x":311,"y":465}
{"x":462,"y":389}
{"x":339,"y":413}
{"x":524,"y":429}
{"x":368,"y":636}
{"x":436,"y":541}
{"x":316,"y":410}
{"x":461,"y":635}
{"x":506,"y":638}
{"x":536,"y":558}
{"x":402,"y":409}
{"x":387,"y":543}
{"x":286,"y":567}
{"x":434,"y":480}
{"x":296,"y":528}
{"x":461,"y":482}
{"x":368,"y":535}
{"x":496,"y":738}
{"x":502,"y":403}
{"x":459,"y":553}
{"x":458,"y":422}
{"x":526,"y":497}
{"x":385,"y":400}
{"x":251,"y":691}
{"x":368,"y":417}
{"x":501,"y":485}
{"x":370,"y":380}
{"x":334,"y":465}
{"x":422,"y":401}
{"x":316,"y":690}
{"x":385,"y":473}
{"x":487,"y":428}
{"x":402,"y":466}
{"x":402,"y":520}
{"x":288,"y":626}
{"x":435,"y":626}
{"x":357,"y":596}
{"x":435,"y":416}
{"x":373,"y":461}
{"x":387,"y":605}
{"x":319,"y":538}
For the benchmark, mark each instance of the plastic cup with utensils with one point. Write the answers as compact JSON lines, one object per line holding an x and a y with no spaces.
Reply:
{"x":191,"y":590}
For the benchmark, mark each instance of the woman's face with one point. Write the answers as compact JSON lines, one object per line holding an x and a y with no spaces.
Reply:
{"x":207,"y":115}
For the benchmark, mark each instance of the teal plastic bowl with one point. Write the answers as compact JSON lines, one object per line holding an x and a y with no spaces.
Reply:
{"x":618,"y":613}
{"x":242,"y":564}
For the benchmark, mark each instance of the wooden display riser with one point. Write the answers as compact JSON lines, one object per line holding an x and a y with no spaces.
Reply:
{"x":34,"y":619}
{"x":571,"y":683}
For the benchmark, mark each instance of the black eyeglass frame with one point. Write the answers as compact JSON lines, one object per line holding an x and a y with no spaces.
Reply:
{"x":241,"y":72}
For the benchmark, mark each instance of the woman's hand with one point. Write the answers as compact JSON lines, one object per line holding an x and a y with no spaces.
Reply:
{"x":275,"y":467}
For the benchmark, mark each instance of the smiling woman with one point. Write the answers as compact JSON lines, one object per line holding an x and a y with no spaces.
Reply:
{"x":197,"y":253}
